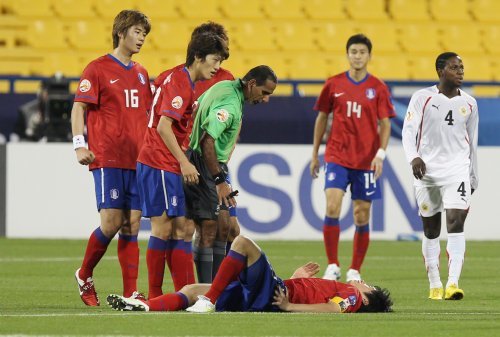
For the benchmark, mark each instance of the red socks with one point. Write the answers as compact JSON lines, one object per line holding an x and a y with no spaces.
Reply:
{"x":360,"y":246}
{"x":128,"y":255}
{"x":96,"y":247}
{"x":232,"y":265}
{"x":168,"y":302}
{"x":331,"y":233}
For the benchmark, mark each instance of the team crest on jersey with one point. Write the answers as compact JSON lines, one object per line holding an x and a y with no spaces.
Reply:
{"x":222,"y":115}
{"x":174,"y":200}
{"x":463,"y":110}
{"x":177,"y":102}
{"x":114,"y":194}
{"x":409,"y":115}
{"x":370,"y":93}
{"x":85,"y":85}
{"x":331,"y":176}
{"x":142,"y":78}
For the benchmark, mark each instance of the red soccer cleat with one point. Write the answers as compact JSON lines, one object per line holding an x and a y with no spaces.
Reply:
{"x":87,"y":290}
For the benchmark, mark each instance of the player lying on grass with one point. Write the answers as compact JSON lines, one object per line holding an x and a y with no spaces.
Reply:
{"x":246,"y":282}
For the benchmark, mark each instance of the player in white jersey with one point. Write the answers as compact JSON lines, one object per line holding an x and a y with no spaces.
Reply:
{"x":440,"y":142}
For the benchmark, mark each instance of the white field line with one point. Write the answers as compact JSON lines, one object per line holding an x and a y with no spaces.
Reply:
{"x":118,"y":314}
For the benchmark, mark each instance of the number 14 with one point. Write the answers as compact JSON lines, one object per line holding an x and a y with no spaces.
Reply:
{"x":353,"y":107}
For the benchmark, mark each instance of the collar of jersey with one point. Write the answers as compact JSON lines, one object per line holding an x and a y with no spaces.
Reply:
{"x":189,"y":77}
{"x":130,"y":65}
{"x":238,"y":85}
{"x":353,"y":81}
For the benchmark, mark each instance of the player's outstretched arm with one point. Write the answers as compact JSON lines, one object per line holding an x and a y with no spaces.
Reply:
{"x":83,"y":155}
{"x":308,"y":270}
{"x":282,"y":302}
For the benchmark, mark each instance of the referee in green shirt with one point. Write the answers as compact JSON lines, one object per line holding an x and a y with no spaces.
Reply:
{"x":215,"y":131}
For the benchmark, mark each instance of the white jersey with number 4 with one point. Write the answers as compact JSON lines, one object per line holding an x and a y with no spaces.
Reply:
{"x":443,"y":132}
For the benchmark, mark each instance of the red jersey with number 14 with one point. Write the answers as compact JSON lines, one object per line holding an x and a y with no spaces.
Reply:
{"x":118,"y":98}
{"x":357,"y":107}
{"x":318,"y":290}
{"x":174,"y":99}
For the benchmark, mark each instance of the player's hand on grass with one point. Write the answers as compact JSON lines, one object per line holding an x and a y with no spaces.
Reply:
{"x":377,"y":165}
{"x":314,"y":167}
{"x":418,"y":167}
{"x":281,"y":299}
{"x":189,"y":173}
{"x":308,"y":270}
{"x":84,"y":156}
{"x":223,"y":194}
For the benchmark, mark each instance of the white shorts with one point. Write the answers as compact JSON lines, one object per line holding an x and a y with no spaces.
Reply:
{"x":434,"y":199}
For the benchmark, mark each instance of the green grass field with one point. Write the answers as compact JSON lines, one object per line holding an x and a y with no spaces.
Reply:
{"x":38,"y":295}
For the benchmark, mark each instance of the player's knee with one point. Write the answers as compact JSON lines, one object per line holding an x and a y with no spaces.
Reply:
{"x":431,"y":232}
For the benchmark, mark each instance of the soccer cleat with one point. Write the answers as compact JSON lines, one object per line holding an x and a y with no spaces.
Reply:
{"x":121,"y":303}
{"x":353,"y":275}
{"x":202,"y":305}
{"x":87,"y":290}
{"x":332,"y":272}
{"x":436,"y":294}
{"x":138,"y":296}
{"x":453,"y":292}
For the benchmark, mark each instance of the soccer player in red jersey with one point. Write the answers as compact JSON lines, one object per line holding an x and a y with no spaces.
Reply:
{"x":246,"y":282}
{"x":218,"y":247}
{"x":361,"y":107}
{"x":162,"y":166}
{"x":115,"y":94}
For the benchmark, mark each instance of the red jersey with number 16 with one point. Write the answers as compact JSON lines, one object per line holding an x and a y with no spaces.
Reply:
{"x":118,"y":98}
{"x":357,"y":107}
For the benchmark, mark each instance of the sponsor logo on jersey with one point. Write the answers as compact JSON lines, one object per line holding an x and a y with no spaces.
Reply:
{"x":331,"y":176}
{"x":85,"y":85}
{"x":222,"y":115}
{"x":142,"y":78}
{"x":174,"y":200}
{"x":463,"y":110}
{"x":114,"y":193}
{"x":370,"y":93}
{"x":177,"y":102}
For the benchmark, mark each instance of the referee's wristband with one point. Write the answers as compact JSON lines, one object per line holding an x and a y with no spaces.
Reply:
{"x":219,"y":178}
{"x":78,"y":142}
{"x":380,"y":154}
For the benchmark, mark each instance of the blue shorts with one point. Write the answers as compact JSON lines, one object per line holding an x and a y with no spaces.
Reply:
{"x":160,"y":191}
{"x":116,"y":188}
{"x":254,"y":290}
{"x":363,"y":183}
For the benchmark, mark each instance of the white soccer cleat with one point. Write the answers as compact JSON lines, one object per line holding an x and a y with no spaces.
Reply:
{"x":353,"y":275}
{"x":202,"y":305}
{"x":332,"y":272}
{"x":121,"y":303}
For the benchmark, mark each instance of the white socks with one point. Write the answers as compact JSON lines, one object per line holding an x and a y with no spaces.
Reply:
{"x":456,"y":254}
{"x":431,"y":251}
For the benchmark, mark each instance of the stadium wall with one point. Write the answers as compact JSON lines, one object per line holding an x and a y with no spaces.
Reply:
{"x":49,"y":195}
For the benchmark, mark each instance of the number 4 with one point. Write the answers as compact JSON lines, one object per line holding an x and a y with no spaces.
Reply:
{"x":449,"y":118}
{"x":461,"y":189}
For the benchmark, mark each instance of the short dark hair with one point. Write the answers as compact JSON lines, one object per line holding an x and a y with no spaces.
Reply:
{"x":359,"y":38}
{"x":126,"y":19}
{"x":261,"y":74}
{"x":211,"y":27}
{"x":379,"y":300}
{"x":204,"y":44}
{"x":443,"y":57}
